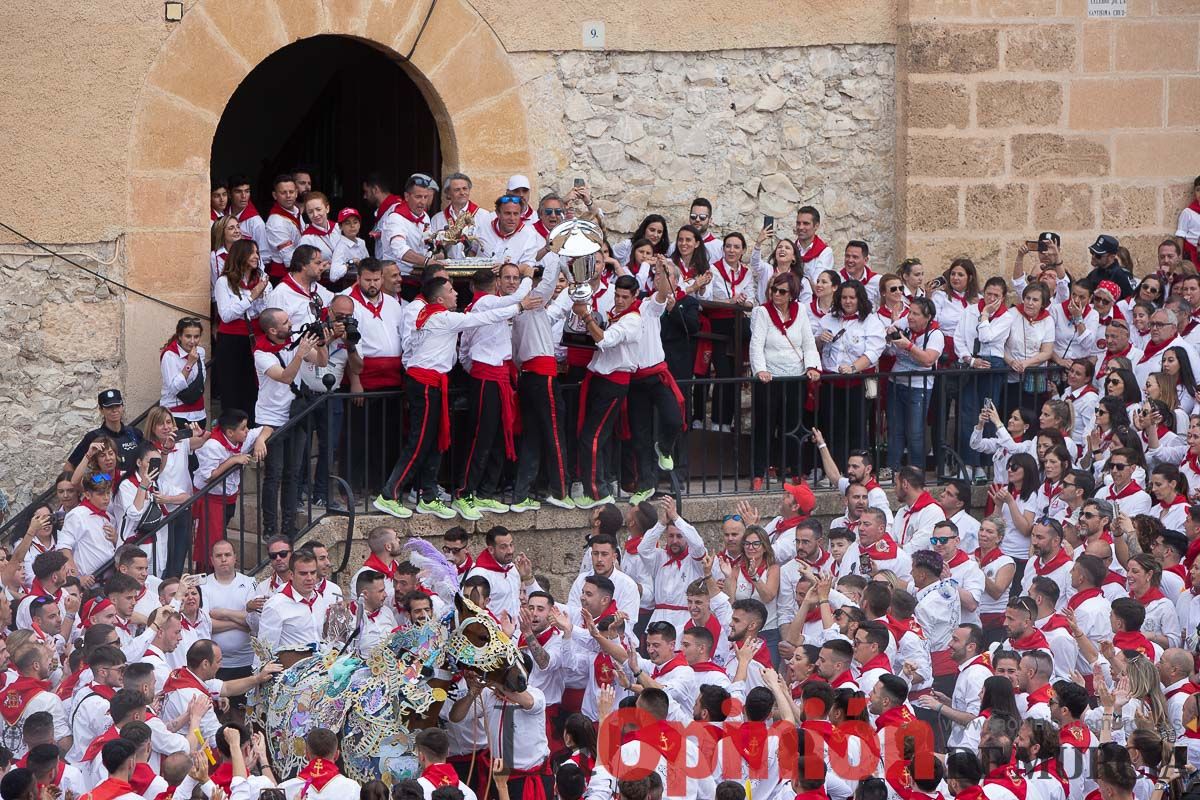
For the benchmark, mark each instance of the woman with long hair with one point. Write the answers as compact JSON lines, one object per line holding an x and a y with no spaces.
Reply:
{"x":1122,"y":383}
{"x":639,"y":264}
{"x":979,"y":346}
{"x":1178,"y":368}
{"x":821,"y":303}
{"x":240,"y":300}
{"x":1143,"y":573}
{"x":181,"y":365}
{"x":733,"y":283}
{"x":1018,"y":504}
{"x":1151,"y":290}
{"x":197,"y":624}
{"x":653,"y":229}
{"x":998,"y":570}
{"x":1111,"y":414}
{"x":996,"y":697}
{"x":1056,"y":463}
{"x":1139,"y":324}
{"x":1161,"y":387}
{"x":784,"y":259}
{"x":579,"y":735}
{"x":851,"y":340}
{"x":224,"y":232}
{"x":912,"y":274}
{"x":1155,"y":425}
{"x":101,"y":458}
{"x":758,"y":578}
{"x":691,"y":257}
{"x":174,"y":484}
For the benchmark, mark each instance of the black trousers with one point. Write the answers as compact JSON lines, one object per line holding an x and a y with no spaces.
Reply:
{"x":484,"y":465}
{"x":724,"y":362}
{"x":234,"y":358}
{"x":651,"y":400}
{"x":843,"y":417}
{"x":778,"y":405}
{"x":604,"y":399}
{"x":281,"y":483}
{"x":543,"y":435}
{"x":419,"y":460}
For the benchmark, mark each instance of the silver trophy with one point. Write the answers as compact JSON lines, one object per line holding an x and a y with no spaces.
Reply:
{"x":578,"y":242}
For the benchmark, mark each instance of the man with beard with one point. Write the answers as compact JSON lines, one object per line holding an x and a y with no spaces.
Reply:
{"x":675,"y":566}
{"x":752,"y":656}
{"x":496,"y":564}
{"x":1037,"y":750}
{"x":970,"y":656}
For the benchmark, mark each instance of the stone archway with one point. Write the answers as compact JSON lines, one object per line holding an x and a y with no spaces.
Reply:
{"x":458,"y":63}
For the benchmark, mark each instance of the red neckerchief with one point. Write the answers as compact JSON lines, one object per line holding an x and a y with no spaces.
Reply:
{"x":777,"y":321}
{"x":816,"y":309}
{"x":1152,"y":349}
{"x":58,"y":772}
{"x":67,"y":687}
{"x":759,"y":572}
{"x":441,"y":775}
{"x":1076,"y":734}
{"x":295,"y":287}
{"x":542,"y":230}
{"x":762,"y":655}
{"x":1041,"y":314}
{"x":884,"y":311}
{"x":815,"y":249}
{"x":223,"y":776}
{"x":884,"y":550}
{"x":603,"y":669}
{"x":663,"y":737}
{"x":376,"y":563}
{"x":111,"y":788}
{"x":1055,"y":622}
{"x":1079,"y":598}
{"x":37,"y":590}
{"x":899,"y":779}
{"x":106,"y":692}
{"x":1109,"y":355}
{"x":846,"y":677}
{"x":466,"y":566}
{"x":18,"y":695}
{"x":750,"y":740}
{"x":90,"y":506}
{"x":712,"y":624}
{"x":318,"y":772}
{"x":1051,"y":565}
{"x":880,"y":661}
{"x":1034,"y":640}
{"x":1000,"y":312}
{"x":248,"y":212}
{"x":1082,"y":391}
{"x":313,"y":230}
{"x":1008,"y":777}
{"x":1177,"y":500}
{"x":983,"y":659}
{"x":1114,"y":314}
{"x":357,"y":296}
{"x":708,"y":666}
{"x":1192,"y":460}
{"x":504,"y":236}
{"x":142,"y":777}
{"x":471,"y":209}
{"x":1066,"y":309}
{"x":899,"y":627}
{"x":923,"y":501}
{"x":1151,"y":594}
{"x":731,"y":282}
{"x":280,"y":211}
{"x":287,"y":590}
{"x":959,"y":558}
{"x":1042,"y":695}
{"x":677,"y":661}
{"x":725,"y":558}
{"x":183,"y":678}
{"x":388,"y":203}
{"x":866,"y":278}
{"x":894,"y":717}
{"x":427,"y":311}
{"x":542,"y":637}
{"x":403,"y":210}
{"x":961,"y":299}
{"x":187,"y":624}
{"x":218,"y":436}
{"x":1130,"y":490}
{"x":488,"y":561}
{"x":1050,"y":767}
{"x":267,"y":346}
{"x":1133,"y":640}
{"x":1187,"y":688}
{"x":615,"y":315}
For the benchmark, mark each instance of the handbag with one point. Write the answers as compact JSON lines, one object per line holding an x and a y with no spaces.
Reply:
{"x":194,"y":391}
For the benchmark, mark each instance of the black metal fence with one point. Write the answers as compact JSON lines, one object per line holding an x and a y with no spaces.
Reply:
{"x":738,"y":431}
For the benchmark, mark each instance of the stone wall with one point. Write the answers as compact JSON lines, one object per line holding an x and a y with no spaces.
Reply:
{"x":61,"y":342}
{"x":1024,"y":115}
{"x":756,"y":131}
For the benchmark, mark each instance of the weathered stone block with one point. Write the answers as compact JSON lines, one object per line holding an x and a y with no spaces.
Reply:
{"x":953,"y":48}
{"x":991,"y":207}
{"x":1125,"y":207}
{"x":1183,"y":102}
{"x":1164,"y":154}
{"x":1042,"y":48}
{"x":1020,"y":8}
{"x":937,"y":105}
{"x":942,"y":249}
{"x":1097,"y":46}
{"x":921,"y":9}
{"x":1000,"y":104}
{"x":1047,"y":154}
{"x":955,"y":157}
{"x":1155,"y":46}
{"x":1103,"y":103}
{"x":931,"y":208}
{"x":1064,"y":206}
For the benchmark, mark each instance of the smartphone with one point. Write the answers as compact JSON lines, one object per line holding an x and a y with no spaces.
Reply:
{"x":579,"y":182}
{"x":155,"y":465}
{"x":185,"y":433}
{"x":987,"y":403}
{"x":768,"y":221}
{"x":864,"y":563}
{"x":938,"y":282}
{"x":1033,"y":244}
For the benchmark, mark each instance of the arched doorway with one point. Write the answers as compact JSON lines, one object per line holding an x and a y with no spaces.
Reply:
{"x":334,"y":105}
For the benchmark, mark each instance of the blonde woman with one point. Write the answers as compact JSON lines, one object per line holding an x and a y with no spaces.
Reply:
{"x":758,"y":578}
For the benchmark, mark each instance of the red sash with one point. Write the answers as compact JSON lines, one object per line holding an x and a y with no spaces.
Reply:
{"x":1034,"y":640}
{"x":108,"y":790}
{"x":663,"y":374}
{"x":508,"y":401}
{"x":436,"y":380}
{"x":546,"y":366}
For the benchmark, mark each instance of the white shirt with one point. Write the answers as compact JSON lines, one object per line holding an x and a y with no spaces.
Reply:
{"x":398,"y":235}
{"x":1142,"y":369}
{"x":170,"y":365}
{"x":1061,"y":575}
{"x":213,"y":454}
{"x":506,"y":589}
{"x":43,"y":701}
{"x":339,"y":788}
{"x":274,"y":405}
{"x":533,"y":332}
{"x":990,"y":335}
{"x":912,"y":529}
{"x":519,"y":247}
{"x":290,"y":621}
{"x":491,"y":344}
{"x":379,"y":323}
{"x":949,"y":308}
{"x":89,"y":718}
{"x":969,"y":576}
{"x":617,"y":350}
{"x":233,"y":596}
{"x":282,"y":238}
{"x":233,"y":306}
{"x":968,"y":531}
{"x":447,"y":217}
{"x":517,"y":733}
{"x":814,"y":267}
{"x":671,"y":577}
{"x":857,"y":338}
{"x":345,"y":251}
{"x":1069,"y":343}
{"x":968,"y":687}
{"x":1085,"y":401}
{"x":649,"y":346}
{"x":83,"y":534}
{"x":1161,"y":617}
{"x":626,"y":593}
{"x":325,"y":241}
{"x":290,"y":297}
{"x":603,"y":785}
{"x":254,"y":228}
{"x":376,"y":626}
{"x":434,"y":345}
{"x":780,"y":355}
{"x":176,"y":702}
{"x":1026,"y":338}
{"x":939,"y":610}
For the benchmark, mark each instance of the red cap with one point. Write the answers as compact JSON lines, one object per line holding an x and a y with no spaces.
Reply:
{"x":93,"y":607}
{"x":802,"y":495}
{"x":347,"y":213}
{"x":1110,"y":288}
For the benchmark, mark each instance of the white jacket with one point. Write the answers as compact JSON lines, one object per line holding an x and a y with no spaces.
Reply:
{"x":782,"y":356}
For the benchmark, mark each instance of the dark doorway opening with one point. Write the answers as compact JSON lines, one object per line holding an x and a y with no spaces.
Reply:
{"x":332,"y":104}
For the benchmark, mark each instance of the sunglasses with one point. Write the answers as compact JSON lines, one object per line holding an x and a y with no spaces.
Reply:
{"x":1151,"y":289}
{"x":1118,"y":466}
{"x":1088,"y":515}
{"x":698,"y":217}
{"x":452,"y":550}
{"x":895,"y":288}
{"x":510,"y":198}
{"x":101,"y":477}
{"x":281,"y":554}
{"x":734,"y":517}
{"x":780,"y":290}
{"x":941,"y":539}
{"x":424,"y":181}
{"x":554,"y":212}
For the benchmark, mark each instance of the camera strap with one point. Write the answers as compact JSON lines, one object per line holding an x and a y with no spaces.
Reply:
{"x":292,"y":384}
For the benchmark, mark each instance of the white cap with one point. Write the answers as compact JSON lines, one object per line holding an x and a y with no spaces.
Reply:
{"x":518,"y":182}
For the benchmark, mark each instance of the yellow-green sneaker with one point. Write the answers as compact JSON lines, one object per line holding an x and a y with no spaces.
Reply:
{"x":490,"y":505}
{"x":465,"y":506}
{"x":640,"y":497}
{"x":392,"y":507}
{"x":528,"y":504}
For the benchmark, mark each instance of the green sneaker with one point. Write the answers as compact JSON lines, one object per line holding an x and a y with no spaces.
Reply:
{"x":586,"y":502}
{"x":439,"y":509}
{"x":528,"y":504}
{"x":490,"y":505}
{"x":464,"y":505}
{"x":665,"y":462}
{"x":640,"y":497}
{"x":392,"y":507}
{"x":561,"y":502}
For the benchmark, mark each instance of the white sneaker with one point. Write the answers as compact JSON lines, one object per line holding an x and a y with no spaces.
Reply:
{"x":697,"y":425}
{"x":576,"y":490}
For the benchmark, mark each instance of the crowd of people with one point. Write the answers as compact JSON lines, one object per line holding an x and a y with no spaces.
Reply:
{"x":1047,"y":640}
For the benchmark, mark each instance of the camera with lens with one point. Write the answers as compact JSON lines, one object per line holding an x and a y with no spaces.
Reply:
{"x":894,"y":335}
{"x":317,"y":328}
{"x":352,"y":335}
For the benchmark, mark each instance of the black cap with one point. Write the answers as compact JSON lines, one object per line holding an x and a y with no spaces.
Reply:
{"x":1050,"y":236}
{"x":1104,"y":245}
{"x":109,"y":398}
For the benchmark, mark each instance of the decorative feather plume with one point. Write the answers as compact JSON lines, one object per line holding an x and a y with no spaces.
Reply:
{"x":440,"y":574}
